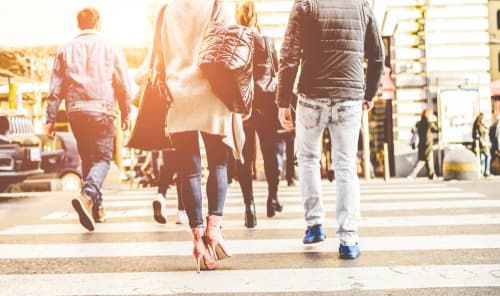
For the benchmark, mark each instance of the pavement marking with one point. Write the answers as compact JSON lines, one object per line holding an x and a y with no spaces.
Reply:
{"x":473,"y":219}
{"x":238,"y":198}
{"x":255,"y":281}
{"x":297,"y":207}
{"x":273,"y":224}
{"x":183,"y":248}
{"x":262,"y":246}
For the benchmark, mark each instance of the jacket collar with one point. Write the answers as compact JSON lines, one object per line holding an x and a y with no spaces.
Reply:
{"x":88,"y":32}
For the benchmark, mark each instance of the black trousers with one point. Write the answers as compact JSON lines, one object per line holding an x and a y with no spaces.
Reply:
{"x":267,"y":132}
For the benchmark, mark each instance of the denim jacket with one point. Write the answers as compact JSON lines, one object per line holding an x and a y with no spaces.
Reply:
{"x":90,"y":74}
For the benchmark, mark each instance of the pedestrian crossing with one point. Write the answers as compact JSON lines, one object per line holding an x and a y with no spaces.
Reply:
{"x":416,"y":238}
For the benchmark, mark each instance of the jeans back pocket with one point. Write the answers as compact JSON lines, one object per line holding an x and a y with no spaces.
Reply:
{"x":308,"y":114}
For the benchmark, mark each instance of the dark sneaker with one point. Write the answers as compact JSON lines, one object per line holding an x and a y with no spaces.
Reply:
{"x":349,"y":252}
{"x":83,"y":207}
{"x":99,"y":214}
{"x":331,"y":175}
{"x":160,"y":209}
{"x":273,"y":206}
{"x":314,"y":234}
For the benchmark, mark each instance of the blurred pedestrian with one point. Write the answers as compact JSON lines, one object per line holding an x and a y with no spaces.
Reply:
{"x":168,"y":170}
{"x":481,"y":143}
{"x":164,"y":170}
{"x":425,"y":129}
{"x":263,"y":119}
{"x":196,"y":113}
{"x":494,"y":133}
{"x":90,"y":74}
{"x":327,"y":39}
{"x":286,"y":154}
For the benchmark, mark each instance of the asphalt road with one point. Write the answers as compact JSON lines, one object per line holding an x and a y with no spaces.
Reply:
{"x":417,"y":238}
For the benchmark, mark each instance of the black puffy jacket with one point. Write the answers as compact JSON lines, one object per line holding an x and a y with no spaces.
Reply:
{"x":330,"y":39}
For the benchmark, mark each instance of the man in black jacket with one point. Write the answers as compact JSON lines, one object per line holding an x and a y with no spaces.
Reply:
{"x":330,"y":39}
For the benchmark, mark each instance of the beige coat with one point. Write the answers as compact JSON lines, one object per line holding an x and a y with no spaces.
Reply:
{"x":195,"y":106}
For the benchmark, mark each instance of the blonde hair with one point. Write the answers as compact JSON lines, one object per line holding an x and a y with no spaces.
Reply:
{"x":246,"y":15}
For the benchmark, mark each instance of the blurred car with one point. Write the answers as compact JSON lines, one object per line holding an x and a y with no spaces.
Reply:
{"x":20,"y":150}
{"x":60,"y":159}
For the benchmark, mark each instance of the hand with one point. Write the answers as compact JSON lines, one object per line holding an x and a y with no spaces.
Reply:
{"x":367,"y":105}
{"x":285,"y":118}
{"x":125,"y":125}
{"x":50,"y":128}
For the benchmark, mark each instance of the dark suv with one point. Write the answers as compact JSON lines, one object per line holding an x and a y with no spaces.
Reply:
{"x":20,"y":153}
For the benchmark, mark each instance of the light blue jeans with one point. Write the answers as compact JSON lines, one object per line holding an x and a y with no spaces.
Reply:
{"x":343,"y":118}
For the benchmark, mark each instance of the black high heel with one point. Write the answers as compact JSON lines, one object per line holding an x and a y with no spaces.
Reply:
{"x":250,"y":216}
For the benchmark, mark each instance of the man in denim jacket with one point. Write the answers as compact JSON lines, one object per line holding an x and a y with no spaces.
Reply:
{"x":90,"y":74}
{"x":330,"y":39}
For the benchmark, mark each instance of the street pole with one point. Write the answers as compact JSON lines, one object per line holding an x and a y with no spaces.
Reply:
{"x":366,"y":145}
{"x":387,"y":172}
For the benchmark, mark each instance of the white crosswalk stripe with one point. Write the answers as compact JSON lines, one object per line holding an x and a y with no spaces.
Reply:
{"x":398,"y":206}
{"x":183,"y":248}
{"x":257,"y":281}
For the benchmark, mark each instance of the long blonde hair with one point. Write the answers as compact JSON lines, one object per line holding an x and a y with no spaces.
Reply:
{"x":246,"y":15}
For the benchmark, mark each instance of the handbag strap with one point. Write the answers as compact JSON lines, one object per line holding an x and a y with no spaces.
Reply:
{"x":157,"y":52}
{"x":157,"y":46}
{"x":215,"y":10}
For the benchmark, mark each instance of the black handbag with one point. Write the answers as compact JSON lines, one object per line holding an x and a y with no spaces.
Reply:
{"x":148,"y":132}
{"x":225,"y":59}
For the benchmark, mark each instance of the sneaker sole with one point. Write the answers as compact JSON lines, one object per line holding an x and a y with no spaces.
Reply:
{"x":349,"y":257}
{"x":314,"y":241}
{"x":157,"y":213}
{"x":85,"y":218}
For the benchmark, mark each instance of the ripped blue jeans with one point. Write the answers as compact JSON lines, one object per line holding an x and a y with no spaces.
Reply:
{"x":343,"y":118}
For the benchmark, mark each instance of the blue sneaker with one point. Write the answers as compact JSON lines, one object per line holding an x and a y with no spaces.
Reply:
{"x":349,"y":252}
{"x":314,"y":234}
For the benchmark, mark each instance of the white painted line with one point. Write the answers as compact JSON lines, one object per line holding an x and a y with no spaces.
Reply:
{"x":238,"y":198}
{"x":378,"y":190}
{"x":270,"y":224}
{"x":269,"y":246}
{"x":298,"y":208}
{"x":255,"y":281}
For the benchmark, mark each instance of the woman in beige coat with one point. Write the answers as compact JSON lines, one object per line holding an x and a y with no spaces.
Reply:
{"x":197,"y":110}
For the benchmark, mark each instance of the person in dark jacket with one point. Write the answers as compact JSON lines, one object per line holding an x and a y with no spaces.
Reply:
{"x":329,"y":40}
{"x":263,"y":119}
{"x":425,"y":129}
{"x":494,"y":133}
{"x":90,"y":74}
{"x":481,"y":142}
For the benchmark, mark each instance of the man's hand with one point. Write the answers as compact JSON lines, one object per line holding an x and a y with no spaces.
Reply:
{"x":285,"y":118}
{"x":50,"y":128}
{"x":125,"y":125}
{"x":367,"y":105}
